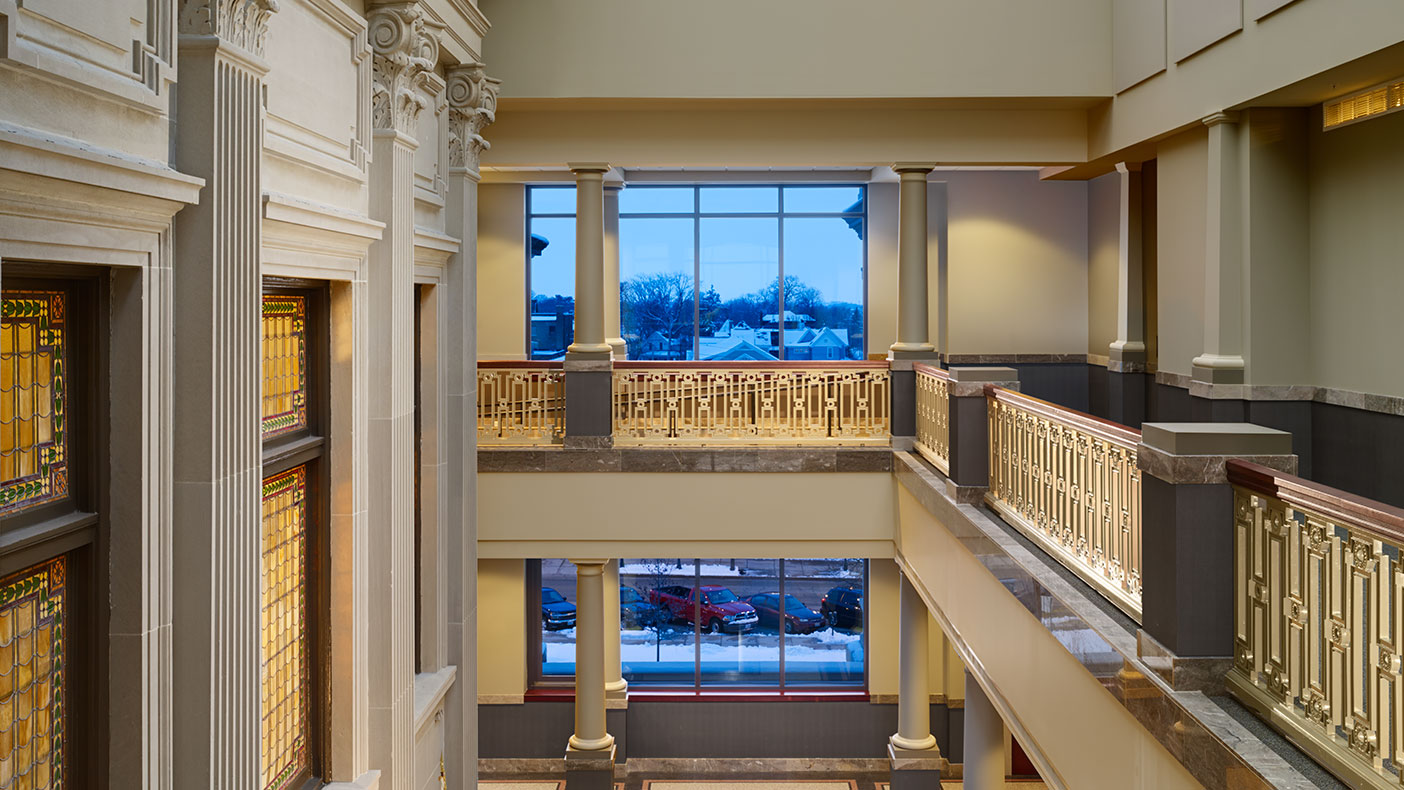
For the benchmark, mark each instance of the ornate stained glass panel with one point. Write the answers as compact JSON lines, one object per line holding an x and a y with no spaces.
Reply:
{"x":285,"y":639}
{"x":32,"y":626}
{"x":284,"y":364}
{"x":33,"y":429}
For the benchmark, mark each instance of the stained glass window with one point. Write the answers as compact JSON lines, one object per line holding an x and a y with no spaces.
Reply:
{"x":31,"y":677}
{"x":285,"y":638}
{"x":284,"y":364}
{"x":33,"y":452}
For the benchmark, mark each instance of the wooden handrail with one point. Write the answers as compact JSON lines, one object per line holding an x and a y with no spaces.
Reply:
{"x":1386,"y":522}
{"x":518,"y":364}
{"x":1103,"y":429}
{"x":745,"y":364}
{"x":931,"y":370}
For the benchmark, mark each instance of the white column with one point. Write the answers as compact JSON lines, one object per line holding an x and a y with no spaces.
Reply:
{"x":913,"y":319}
{"x":616,"y":687}
{"x":472,"y":105}
{"x":1222,"y":360}
{"x":589,"y":263}
{"x":590,"y":731}
{"x":405,"y":49}
{"x":1128,"y":351}
{"x":611,"y":270}
{"x":984,"y":740}
{"x":216,"y":465}
{"x":914,"y":696}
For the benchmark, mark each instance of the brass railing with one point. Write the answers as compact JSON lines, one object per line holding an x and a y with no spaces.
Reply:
{"x":933,"y":416}
{"x":520,"y":403}
{"x":751,"y":403}
{"x":1319,"y":620}
{"x":1069,"y":482}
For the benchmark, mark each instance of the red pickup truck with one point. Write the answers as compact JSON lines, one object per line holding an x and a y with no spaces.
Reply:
{"x":721,"y":609}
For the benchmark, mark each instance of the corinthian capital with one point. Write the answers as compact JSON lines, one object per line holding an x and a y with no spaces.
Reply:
{"x":406,"y":47}
{"x":472,"y":98}
{"x":240,"y":22}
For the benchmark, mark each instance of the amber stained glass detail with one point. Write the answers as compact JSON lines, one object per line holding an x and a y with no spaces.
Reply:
{"x":285,"y":639}
{"x":284,"y":364}
{"x":32,"y":626}
{"x":33,"y":451}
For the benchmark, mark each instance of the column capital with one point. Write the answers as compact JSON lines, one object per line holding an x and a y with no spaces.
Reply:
{"x":1219,"y":117}
{"x":1128,"y":167}
{"x":472,"y":104}
{"x":915,"y":168}
{"x":615,"y":185}
{"x":587,"y":169}
{"x":405,"y":43}
{"x":243,"y":23}
{"x":589,"y":567}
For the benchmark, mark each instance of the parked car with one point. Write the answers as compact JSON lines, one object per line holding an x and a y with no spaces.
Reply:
{"x":842,"y":607}
{"x":556,"y":612}
{"x":635,"y":611}
{"x":799,"y":619}
{"x":721,"y":610}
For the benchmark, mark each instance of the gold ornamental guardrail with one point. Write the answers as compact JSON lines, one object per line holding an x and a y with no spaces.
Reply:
{"x":520,"y":403}
{"x":1319,"y":620}
{"x":1069,"y":482}
{"x":751,"y":403}
{"x":933,"y":416}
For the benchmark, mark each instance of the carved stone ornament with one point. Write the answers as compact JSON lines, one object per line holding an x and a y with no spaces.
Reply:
{"x":406,"y":48}
{"x":472,"y":99}
{"x":243,"y":23}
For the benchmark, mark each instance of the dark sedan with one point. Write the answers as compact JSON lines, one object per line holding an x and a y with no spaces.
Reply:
{"x":635,"y":611}
{"x":842,"y":607}
{"x":556,"y":612}
{"x":799,"y":619}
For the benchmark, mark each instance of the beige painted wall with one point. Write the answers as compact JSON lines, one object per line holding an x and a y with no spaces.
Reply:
{"x":1182,"y":174}
{"x":730,"y":48}
{"x":1018,"y":263}
{"x":1357,"y":189}
{"x":1103,"y":260}
{"x":501,"y":271}
{"x":502,"y":669}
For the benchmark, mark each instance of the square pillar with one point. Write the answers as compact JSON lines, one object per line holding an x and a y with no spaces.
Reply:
{"x":589,"y":388}
{"x":970,"y":428}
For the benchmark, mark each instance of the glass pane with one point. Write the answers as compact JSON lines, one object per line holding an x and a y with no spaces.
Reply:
{"x":285,"y":648}
{"x":656,"y":200}
{"x":739,"y":296}
{"x":828,"y":200}
{"x":740,"y":200}
{"x":32,"y":647}
{"x":656,"y":637}
{"x":737,"y":650}
{"x":557,"y":618}
{"x":552,"y":256}
{"x":824,"y":622}
{"x":33,"y":446}
{"x":824,"y":288}
{"x":656,"y":289}
{"x":553,"y":200}
{"x":284,"y":364}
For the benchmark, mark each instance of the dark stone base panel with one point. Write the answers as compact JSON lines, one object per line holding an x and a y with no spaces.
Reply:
{"x":1359,"y":451}
{"x":1063,"y":383}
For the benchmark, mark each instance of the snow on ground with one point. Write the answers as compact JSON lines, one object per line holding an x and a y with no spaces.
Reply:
{"x":640,"y":647}
{"x":668,"y":568}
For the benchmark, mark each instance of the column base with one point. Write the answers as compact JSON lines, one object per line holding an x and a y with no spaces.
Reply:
{"x":619,"y":348}
{"x":617,"y":691}
{"x":588,"y":351}
{"x":589,"y":769}
{"x":916,"y":769}
{"x":917,"y":352}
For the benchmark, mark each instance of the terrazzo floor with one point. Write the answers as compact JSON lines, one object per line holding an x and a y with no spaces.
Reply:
{"x":738,"y":784}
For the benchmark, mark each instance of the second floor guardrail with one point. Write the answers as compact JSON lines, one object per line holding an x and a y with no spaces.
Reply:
{"x":1319,"y":620}
{"x":751,"y":403}
{"x":1069,"y":482}
{"x":520,"y":403}
{"x":933,"y":416}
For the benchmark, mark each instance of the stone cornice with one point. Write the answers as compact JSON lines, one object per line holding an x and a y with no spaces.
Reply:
{"x":472,"y":99}
{"x":243,"y":23}
{"x":405,"y":44}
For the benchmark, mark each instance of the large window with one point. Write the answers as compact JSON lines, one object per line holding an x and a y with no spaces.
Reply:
{"x":719,"y":623}
{"x":714,"y":272}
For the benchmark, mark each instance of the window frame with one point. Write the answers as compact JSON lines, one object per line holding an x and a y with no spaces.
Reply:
{"x":697,"y":215}
{"x":309,"y":447}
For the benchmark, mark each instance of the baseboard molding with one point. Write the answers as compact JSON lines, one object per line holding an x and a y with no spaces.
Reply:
{"x":701,"y":767}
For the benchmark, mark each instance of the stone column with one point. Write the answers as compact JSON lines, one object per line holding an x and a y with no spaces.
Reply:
{"x":611,"y":270}
{"x":217,"y":444}
{"x":472,"y":105}
{"x":1187,"y":527}
{"x":590,"y":752}
{"x":913,"y":318}
{"x":1127,"y":362}
{"x":984,"y":740}
{"x":915,"y":757}
{"x":587,"y":363}
{"x":405,"y":45}
{"x":616,"y":687}
{"x":970,"y":428}
{"x":1222,"y":360}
